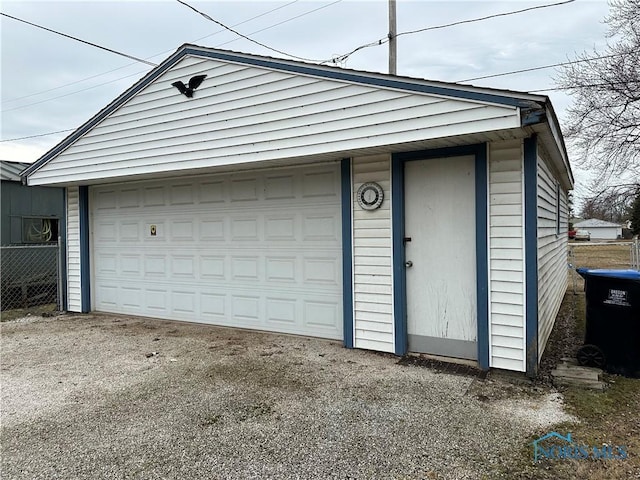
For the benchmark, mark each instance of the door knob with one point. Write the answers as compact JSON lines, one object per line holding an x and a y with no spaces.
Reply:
{"x":408,"y":264}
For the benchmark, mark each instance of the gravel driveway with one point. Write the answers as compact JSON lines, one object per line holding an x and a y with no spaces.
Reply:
{"x":100,"y":396}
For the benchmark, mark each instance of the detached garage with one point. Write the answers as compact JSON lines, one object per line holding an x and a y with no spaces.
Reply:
{"x":600,"y":229}
{"x":392,"y":213}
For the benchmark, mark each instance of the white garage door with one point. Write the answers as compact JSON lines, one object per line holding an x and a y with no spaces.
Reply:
{"x":258,"y":251}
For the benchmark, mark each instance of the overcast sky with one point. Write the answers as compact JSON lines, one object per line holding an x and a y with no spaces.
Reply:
{"x":51,"y":83}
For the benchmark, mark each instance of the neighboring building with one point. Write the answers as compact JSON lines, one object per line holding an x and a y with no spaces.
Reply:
{"x":29,"y":214}
{"x":31,"y":220}
{"x":600,"y":229}
{"x":392,"y":213}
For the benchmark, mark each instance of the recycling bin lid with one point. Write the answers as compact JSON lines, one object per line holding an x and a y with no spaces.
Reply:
{"x":602,"y":272}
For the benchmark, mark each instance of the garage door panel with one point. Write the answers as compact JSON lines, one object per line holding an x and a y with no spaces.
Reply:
{"x":106,"y":264}
{"x":130,"y":298}
{"x":130,"y":266}
{"x":320,"y":227}
{"x":320,"y":184}
{"x":211,"y":192}
{"x":245,"y":269}
{"x":213,"y":267}
{"x":106,"y":200}
{"x":128,"y":198}
{"x":180,"y":231}
{"x":280,"y":269}
{"x":321,"y":314}
{"x":183,"y":266}
{"x":128,"y":231}
{"x":181,"y":194}
{"x":153,"y":196}
{"x":253,"y":251}
{"x":156,"y":300}
{"x":245,"y":229}
{"x":279,"y":187}
{"x":281,"y":227}
{"x":282,"y":311}
{"x":212,"y":229}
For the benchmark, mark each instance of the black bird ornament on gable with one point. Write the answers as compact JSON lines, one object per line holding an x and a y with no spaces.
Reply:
{"x":194,"y":82}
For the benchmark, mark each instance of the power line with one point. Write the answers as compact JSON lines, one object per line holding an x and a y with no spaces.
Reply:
{"x":245,"y":36}
{"x":131,"y":57}
{"x":36,"y":136}
{"x":68,"y":85}
{"x":70,"y":93}
{"x":152,"y":56}
{"x":495,"y":15}
{"x":575,"y":87}
{"x":138,"y":73}
{"x":385,"y":39}
{"x":542,"y":67}
{"x":253,"y":18}
{"x":285,"y":21}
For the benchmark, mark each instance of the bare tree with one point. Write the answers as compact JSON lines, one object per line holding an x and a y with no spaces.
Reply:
{"x":613,"y":204}
{"x":604,"y":119}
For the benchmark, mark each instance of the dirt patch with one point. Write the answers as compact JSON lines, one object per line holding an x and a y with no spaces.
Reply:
{"x":443,"y":367}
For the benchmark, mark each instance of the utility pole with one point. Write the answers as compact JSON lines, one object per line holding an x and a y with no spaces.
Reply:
{"x":392,"y":38}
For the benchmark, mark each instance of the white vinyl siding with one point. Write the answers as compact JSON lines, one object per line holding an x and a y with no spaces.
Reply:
{"x":506,"y":256}
{"x":243,"y":114}
{"x":552,"y":252}
{"x":74,"y":303}
{"x":372,"y":265}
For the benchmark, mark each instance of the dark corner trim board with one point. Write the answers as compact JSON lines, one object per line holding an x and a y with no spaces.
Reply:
{"x":531,"y":252}
{"x":482,"y":277}
{"x":85,"y":271}
{"x":482,"y":255}
{"x":64,"y":301}
{"x":347,"y":255}
{"x":398,"y":255}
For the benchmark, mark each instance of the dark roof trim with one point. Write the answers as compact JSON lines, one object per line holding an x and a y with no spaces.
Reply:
{"x":360,"y":77}
{"x":365,"y":78}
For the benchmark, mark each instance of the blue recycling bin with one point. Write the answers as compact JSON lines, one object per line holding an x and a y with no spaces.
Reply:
{"x":612,"y":330}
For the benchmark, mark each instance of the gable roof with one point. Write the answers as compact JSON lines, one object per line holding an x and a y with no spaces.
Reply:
{"x":10,"y":171}
{"x":535,"y":111}
{"x":595,"y":223}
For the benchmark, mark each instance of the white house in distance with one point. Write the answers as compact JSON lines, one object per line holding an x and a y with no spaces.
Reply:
{"x":600,"y":229}
{"x":393,"y":214}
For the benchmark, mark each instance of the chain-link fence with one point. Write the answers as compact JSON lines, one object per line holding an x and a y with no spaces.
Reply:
{"x":30,"y":276}
{"x":635,"y":254}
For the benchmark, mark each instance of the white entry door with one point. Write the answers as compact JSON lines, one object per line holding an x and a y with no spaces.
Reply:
{"x":440,"y":221}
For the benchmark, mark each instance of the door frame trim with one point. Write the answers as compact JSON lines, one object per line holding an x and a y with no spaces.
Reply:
{"x":347,"y":253}
{"x":85,"y":249}
{"x":479,"y":151}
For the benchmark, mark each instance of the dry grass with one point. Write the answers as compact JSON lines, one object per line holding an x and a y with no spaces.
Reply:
{"x":615,"y":256}
{"x":601,"y":256}
{"x":44,"y":310}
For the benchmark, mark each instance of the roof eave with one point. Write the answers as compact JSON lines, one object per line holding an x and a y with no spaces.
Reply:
{"x":542,"y":119}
